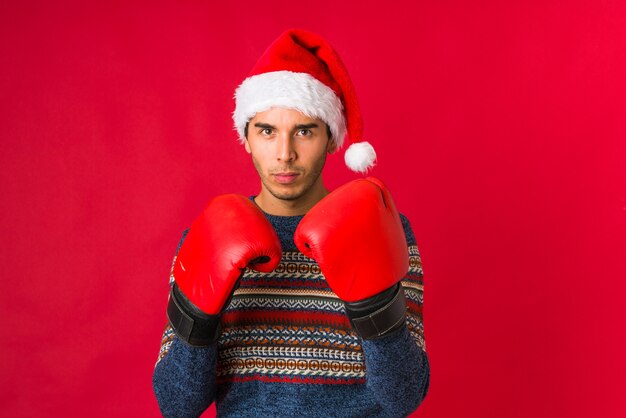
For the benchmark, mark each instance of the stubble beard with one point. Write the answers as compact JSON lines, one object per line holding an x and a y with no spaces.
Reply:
{"x":310,"y":180}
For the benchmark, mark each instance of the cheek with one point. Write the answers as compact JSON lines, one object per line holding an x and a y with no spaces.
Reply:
{"x":318,"y":153}
{"x":310,"y":148}
{"x":260,"y":156}
{"x":261,"y":148}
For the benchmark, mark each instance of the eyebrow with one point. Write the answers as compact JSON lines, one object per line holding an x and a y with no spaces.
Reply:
{"x":299,"y":126}
{"x":264,"y":125}
{"x":307,"y":126}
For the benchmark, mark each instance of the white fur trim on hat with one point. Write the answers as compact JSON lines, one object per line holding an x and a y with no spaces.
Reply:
{"x":287,"y":89}
{"x":360,"y":157}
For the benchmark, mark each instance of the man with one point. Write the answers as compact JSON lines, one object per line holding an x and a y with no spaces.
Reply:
{"x":298,"y":301}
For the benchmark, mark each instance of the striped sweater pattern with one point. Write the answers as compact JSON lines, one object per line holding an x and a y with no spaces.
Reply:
{"x":288,"y":325}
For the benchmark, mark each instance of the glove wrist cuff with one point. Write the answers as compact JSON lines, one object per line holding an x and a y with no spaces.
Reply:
{"x":379,"y":315}
{"x":189,"y":323}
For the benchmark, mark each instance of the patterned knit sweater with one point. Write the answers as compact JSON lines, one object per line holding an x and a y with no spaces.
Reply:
{"x":287,"y":349}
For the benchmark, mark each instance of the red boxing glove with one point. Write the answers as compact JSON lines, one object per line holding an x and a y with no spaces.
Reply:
{"x":355,"y":234}
{"x":231,"y":234}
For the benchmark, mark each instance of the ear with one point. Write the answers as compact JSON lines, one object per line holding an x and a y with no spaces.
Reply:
{"x":331,"y":146}
{"x":247,"y":146}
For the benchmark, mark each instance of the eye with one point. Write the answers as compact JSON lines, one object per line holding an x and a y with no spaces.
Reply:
{"x":266,"y":131}
{"x":304,"y":132}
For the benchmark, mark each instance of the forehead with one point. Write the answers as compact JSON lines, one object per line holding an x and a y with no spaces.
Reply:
{"x":284,"y":116}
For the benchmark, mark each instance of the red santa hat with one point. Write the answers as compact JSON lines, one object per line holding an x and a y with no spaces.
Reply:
{"x":302,"y":71}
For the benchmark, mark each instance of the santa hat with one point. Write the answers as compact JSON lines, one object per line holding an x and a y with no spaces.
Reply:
{"x":301,"y":71}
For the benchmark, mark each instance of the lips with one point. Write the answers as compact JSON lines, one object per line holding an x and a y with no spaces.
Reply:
{"x":285,"y":178}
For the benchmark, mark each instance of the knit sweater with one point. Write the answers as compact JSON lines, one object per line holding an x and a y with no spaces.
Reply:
{"x":287,"y":349}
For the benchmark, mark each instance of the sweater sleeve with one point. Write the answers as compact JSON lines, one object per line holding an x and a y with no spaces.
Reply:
{"x":184,"y":376}
{"x":398,"y":370}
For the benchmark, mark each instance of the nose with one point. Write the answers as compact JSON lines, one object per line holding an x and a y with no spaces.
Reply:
{"x":285,"y":150}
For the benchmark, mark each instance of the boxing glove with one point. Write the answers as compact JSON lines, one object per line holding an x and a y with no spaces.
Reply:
{"x":231,"y":234}
{"x":355,"y":234}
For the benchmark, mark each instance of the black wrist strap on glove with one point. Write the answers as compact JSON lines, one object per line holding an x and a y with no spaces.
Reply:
{"x":189,"y":323}
{"x":379,"y":315}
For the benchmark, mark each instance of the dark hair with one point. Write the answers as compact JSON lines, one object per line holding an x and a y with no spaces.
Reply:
{"x":245,"y":131}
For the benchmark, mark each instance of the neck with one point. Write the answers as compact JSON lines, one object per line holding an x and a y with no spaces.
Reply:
{"x":293,"y":207}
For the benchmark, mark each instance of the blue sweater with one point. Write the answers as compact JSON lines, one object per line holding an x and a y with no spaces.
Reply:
{"x":287,"y":349}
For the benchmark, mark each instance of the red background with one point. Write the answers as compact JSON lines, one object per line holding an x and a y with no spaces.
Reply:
{"x":500,"y":128}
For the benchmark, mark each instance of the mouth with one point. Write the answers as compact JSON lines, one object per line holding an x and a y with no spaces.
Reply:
{"x":285,"y":177}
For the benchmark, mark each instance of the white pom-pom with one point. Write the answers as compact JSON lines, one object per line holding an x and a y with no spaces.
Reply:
{"x":360,"y":157}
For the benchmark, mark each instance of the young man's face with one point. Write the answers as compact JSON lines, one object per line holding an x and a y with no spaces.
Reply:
{"x":289,"y":150}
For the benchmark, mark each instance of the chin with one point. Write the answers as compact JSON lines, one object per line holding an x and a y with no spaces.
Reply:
{"x":289,"y":194}
{"x":286,"y":195}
